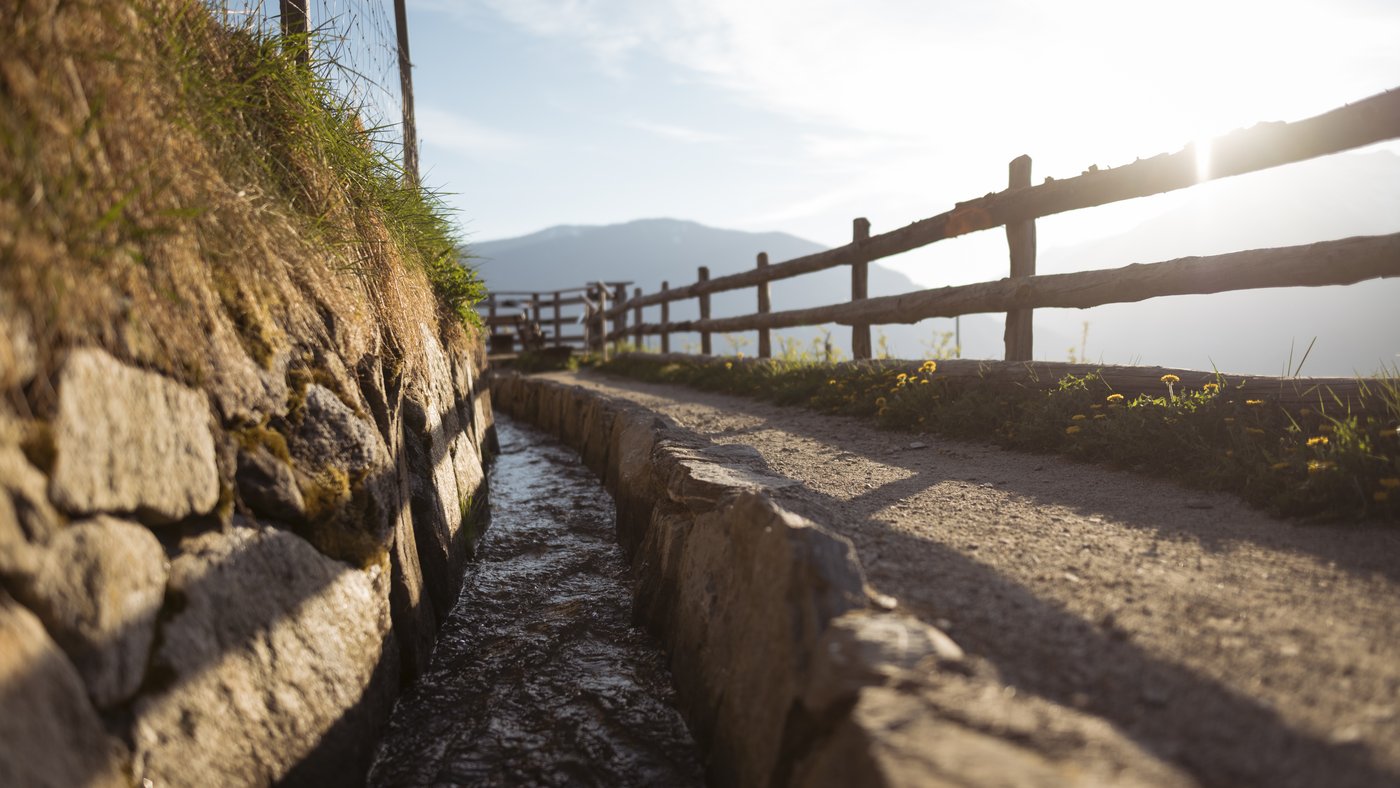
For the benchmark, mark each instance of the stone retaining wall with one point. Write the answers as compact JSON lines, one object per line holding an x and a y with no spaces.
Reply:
{"x":191,"y":597}
{"x":790,"y":671}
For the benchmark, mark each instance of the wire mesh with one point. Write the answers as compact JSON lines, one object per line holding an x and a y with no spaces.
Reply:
{"x":354,"y":45}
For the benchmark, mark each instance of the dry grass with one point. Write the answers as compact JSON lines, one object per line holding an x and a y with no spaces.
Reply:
{"x":182,"y":195}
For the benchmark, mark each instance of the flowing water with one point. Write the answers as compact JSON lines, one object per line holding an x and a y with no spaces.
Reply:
{"x":539,"y":676}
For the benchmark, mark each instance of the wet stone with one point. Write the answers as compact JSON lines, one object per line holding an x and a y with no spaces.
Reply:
{"x":539,"y":676}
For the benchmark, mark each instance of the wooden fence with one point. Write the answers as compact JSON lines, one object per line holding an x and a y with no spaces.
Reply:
{"x":557,"y":315}
{"x":1260,"y":147}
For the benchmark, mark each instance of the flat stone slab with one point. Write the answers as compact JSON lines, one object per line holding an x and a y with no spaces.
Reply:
{"x":272,"y":644}
{"x":50,"y":735}
{"x":97,"y":587}
{"x":130,"y":441}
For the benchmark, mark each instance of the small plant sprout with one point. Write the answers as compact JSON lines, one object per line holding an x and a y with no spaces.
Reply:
{"x":1170,"y":380}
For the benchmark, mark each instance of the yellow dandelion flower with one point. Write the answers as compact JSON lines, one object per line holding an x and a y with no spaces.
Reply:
{"x":900,"y":376}
{"x":1253,"y":430}
{"x":1096,"y":406}
{"x":1115,"y":397}
{"x":1211,"y":388}
{"x":1254,"y":402}
{"x":1073,"y":430}
{"x":1320,"y":440}
{"x":1098,"y":416}
{"x":928,"y":366}
{"x":880,"y":402}
{"x":1278,"y":466}
{"x":1390,"y":482}
{"x":741,"y":355}
{"x":882,"y":411}
{"x":1078,"y":417}
{"x":923,"y":381}
{"x":831,"y":382}
{"x":1380,"y":496}
{"x":1170,"y":378}
{"x":1318,"y":466}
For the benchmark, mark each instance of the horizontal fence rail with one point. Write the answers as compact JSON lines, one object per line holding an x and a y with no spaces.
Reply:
{"x":1260,"y":147}
{"x":1329,"y":263}
{"x":1265,"y":145}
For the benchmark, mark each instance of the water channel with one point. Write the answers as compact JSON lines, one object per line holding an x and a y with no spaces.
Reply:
{"x":539,"y":676}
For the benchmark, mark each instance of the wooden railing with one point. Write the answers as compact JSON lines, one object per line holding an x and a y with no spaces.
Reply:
{"x":1260,"y":147}
{"x":548,"y":312}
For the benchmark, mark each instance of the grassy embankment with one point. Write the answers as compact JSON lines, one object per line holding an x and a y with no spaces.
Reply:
{"x":1320,"y":463}
{"x":193,"y":199}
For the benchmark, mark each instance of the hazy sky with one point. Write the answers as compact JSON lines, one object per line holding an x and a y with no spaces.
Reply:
{"x":799,"y":116}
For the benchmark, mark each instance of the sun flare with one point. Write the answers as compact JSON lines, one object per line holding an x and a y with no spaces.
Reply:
{"x":1202,"y":148}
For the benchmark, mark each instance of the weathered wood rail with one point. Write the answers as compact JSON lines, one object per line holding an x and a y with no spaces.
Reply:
{"x":1262,"y":146}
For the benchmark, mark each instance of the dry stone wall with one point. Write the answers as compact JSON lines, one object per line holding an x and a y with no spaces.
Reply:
{"x":194,"y":595}
{"x":789,"y":669}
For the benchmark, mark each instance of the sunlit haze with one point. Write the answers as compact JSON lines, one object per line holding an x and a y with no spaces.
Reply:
{"x":799,"y":116}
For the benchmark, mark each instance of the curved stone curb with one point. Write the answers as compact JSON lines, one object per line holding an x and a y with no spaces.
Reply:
{"x":788,"y":670}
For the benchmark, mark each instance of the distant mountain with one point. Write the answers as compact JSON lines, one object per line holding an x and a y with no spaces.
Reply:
{"x":1357,"y":328}
{"x":649,"y":251}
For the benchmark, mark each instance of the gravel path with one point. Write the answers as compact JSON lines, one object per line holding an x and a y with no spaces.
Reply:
{"x":1249,"y":650}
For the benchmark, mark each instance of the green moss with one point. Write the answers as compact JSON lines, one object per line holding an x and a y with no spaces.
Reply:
{"x":263,"y":436}
{"x":326,"y":493}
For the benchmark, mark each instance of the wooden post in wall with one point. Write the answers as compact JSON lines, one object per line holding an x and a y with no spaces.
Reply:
{"x":703,"y":274}
{"x":410,"y":126}
{"x":295,"y":25}
{"x":1020,"y":237}
{"x":765,"y":337}
{"x":637,"y":320}
{"x":860,"y":287}
{"x":665,"y":318}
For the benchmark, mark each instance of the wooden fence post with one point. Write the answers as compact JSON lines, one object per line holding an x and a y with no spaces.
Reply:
{"x":860,"y":287}
{"x":558,"y":322}
{"x":535,"y":309}
{"x":410,"y":126}
{"x":295,"y":24}
{"x":665,"y":318}
{"x":703,"y":274}
{"x":620,"y":322}
{"x":491,"y":328}
{"x":1020,"y":237}
{"x":765,"y":338}
{"x":602,"y":318}
{"x":637,"y":320}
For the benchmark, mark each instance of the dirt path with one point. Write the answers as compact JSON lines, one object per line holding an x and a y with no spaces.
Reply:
{"x":1249,"y":650}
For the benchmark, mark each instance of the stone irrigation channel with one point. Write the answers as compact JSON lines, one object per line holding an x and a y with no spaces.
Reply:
{"x":847,"y":606}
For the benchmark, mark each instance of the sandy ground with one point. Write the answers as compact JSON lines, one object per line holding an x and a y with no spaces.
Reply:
{"x":1247,"y":649}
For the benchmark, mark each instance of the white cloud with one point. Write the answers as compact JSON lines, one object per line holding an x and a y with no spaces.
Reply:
{"x":1089,"y":81}
{"x":677,"y":133}
{"x":459,"y":134}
